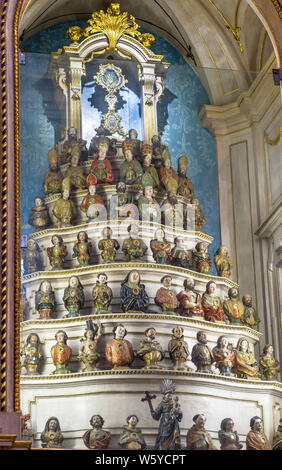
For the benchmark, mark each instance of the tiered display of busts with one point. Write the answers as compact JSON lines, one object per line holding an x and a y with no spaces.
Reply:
{"x":118,"y":246}
{"x":57,"y":293}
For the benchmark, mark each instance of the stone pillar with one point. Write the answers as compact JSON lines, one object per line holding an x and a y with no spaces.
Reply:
{"x":76,"y":70}
{"x":151,"y":90}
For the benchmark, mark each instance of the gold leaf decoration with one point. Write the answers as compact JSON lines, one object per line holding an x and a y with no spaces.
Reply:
{"x":113,"y":24}
{"x":147,"y":39}
{"x":75,"y":33}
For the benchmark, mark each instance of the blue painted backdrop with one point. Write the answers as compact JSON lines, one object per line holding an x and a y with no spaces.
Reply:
{"x":178,"y":120}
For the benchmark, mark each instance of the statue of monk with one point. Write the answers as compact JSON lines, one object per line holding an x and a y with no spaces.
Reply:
{"x":178,"y":349}
{"x":256,"y":439}
{"x":197,"y":437}
{"x":150,"y":350}
{"x":131,"y":438}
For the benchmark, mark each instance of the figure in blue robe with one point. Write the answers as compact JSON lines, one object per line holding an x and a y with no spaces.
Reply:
{"x":132,"y":294}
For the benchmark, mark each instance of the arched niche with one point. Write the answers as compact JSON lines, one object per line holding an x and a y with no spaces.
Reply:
{"x":67,"y":66}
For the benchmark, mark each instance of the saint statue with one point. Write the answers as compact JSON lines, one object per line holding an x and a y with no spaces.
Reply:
{"x":201,"y":259}
{"x":256,"y":439}
{"x":212,"y":304}
{"x":73,"y":297}
{"x":92,"y":204}
{"x":131,"y":438}
{"x":31,"y":354}
{"x":61,"y":353}
{"x":268,"y":364}
{"x":130,"y":170}
{"x":87,"y":352}
{"x":148,"y":207}
{"x":31,"y":256}
{"x":108,"y":246}
{"x":52,"y":437}
{"x":181,"y":256}
{"x":82,"y":249}
{"x":74,"y":173}
{"x":39,"y":215}
{"x":245,"y":366}
{"x":64,"y":209}
{"x":168,"y":176}
{"x":277,"y":437}
{"x":201,"y":354}
{"x":133,"y":247}
{"x":165,"y":297}
{"x":172,"y":211}
{"x":185,"y":186}
{"x":97,"y":438}
{"x":45,"y":302}
{"x":233,"y":308}
{"x":74,"y":141}
{"x":102,"y":295}
{"x":198,"y":437}
{"x":57,"y":253}
{"x":101,"y":132}
{"x":222,"y":262}
{"x":150,"y":350}
{"x":147,"y":151}
{"x":190,"y":300}
{"x":169,"y":413}
{"x":178,"y":349}
{"x":53,"y":177}
{"x":101,"y":167}
{"x":228,"y":438}
{"x":133,"y":296}
{"x":200,"y":220}
{"x":250,"y":317}
{"x":160,"y":151}
{"x":121,"y":205}
{"x":160,"y":247}
{"x":135,"y":143}
{"x":224,"y":356}
{"x":119,"y":351}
